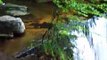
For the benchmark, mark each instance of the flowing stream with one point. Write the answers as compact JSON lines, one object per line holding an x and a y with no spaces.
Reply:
{"x":94,"y":45}
{"x":36,"y":24}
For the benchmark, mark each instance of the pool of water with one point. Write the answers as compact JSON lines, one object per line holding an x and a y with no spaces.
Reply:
{"x":40,"y":16}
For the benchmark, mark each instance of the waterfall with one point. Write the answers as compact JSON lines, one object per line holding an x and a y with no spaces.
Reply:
{"x":94,"y":45}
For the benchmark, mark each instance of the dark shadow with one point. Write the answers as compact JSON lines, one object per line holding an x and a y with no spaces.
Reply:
{"x":16,"y":35}
{"x":2,"y":39}
{"x":27,"y":17}
{"x":43,"y":25}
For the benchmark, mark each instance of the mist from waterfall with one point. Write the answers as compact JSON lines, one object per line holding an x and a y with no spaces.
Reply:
{"x":92,"y":46}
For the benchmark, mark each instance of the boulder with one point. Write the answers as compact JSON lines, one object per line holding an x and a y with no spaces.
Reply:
{"x":15,"y":10}
{"x":10,"y":25}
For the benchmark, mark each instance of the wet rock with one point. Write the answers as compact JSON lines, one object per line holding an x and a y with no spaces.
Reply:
{"x":15,"y":10}
{"x":10,"y":25}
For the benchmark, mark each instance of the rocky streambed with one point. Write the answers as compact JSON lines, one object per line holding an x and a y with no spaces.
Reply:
{"x":36,"y":24}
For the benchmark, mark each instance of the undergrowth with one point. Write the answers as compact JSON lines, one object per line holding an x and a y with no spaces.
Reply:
{"x":59,"y":42}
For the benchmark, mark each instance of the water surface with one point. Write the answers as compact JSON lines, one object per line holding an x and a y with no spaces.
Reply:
{"x":36,"y":24}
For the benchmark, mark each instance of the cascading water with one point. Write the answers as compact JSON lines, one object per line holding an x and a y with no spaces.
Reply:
{"x":94,"y":45}
{"x":90,"y":45}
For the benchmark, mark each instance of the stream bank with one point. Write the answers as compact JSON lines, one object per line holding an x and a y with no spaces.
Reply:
{"x":36,"y":24}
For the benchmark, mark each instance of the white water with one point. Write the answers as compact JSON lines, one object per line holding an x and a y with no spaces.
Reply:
{"x":94,"y":46}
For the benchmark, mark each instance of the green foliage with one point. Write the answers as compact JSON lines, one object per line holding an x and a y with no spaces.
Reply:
{"x":85,"y":9}
{"x":1,"y":2}
{"x":101,"y":7}
{"x":82,"y":8}
{"x":58,"y":43}
{"x":63,"y":4}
